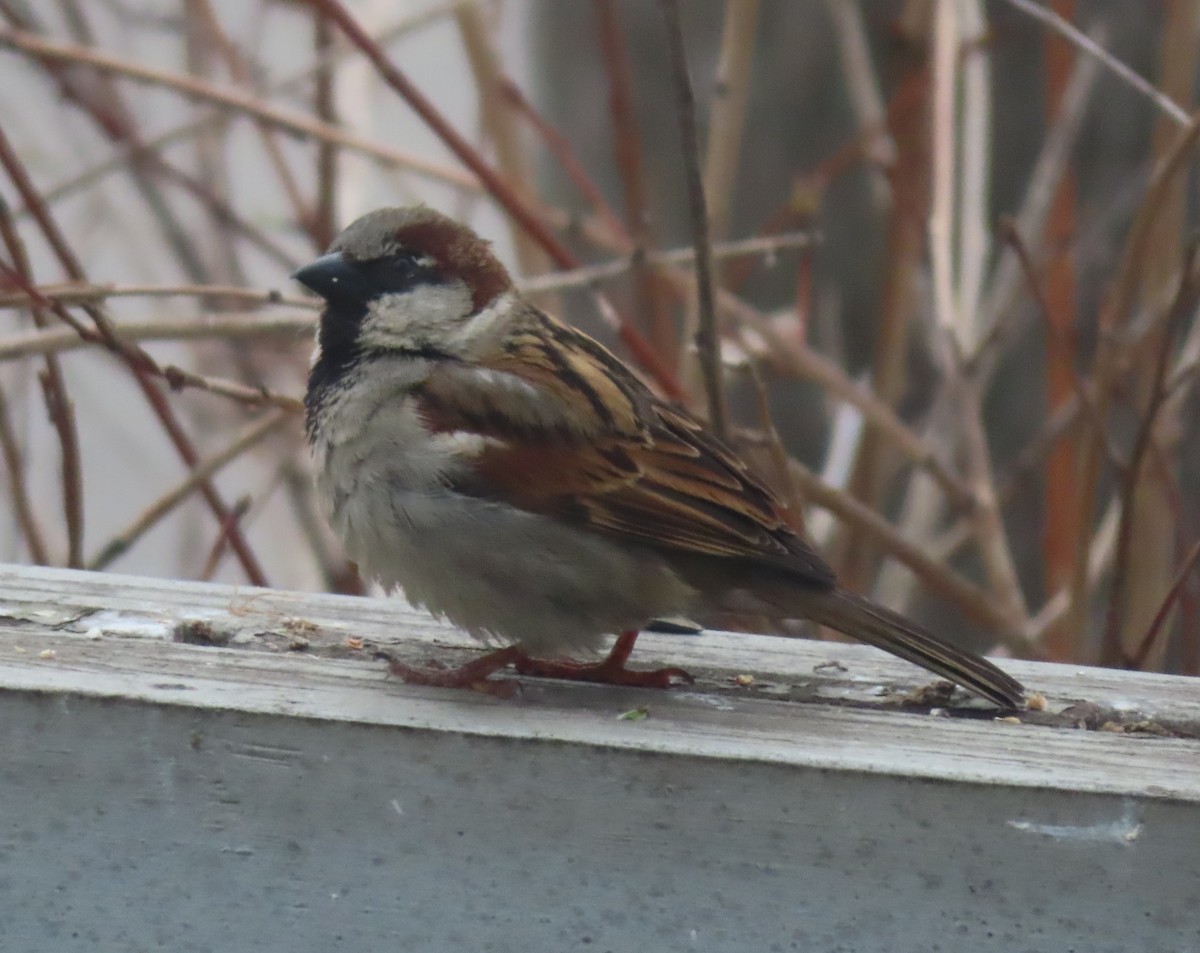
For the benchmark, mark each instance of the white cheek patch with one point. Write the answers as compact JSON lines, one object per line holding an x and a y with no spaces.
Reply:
{"x":426,"y":315}
{"x":490,"y":323}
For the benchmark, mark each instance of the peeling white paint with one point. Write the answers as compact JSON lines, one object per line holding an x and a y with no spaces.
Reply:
{"x":127,"y":625}
{"x":1124,"y":831}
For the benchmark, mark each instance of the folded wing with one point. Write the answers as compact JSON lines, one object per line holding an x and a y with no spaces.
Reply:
{"x":569,"y":432}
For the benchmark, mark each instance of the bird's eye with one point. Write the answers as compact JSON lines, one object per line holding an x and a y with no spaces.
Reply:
{"x":356,"y":281}
{"x":397,"y":272}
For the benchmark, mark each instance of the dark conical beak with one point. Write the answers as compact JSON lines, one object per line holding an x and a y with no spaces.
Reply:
{"x":327,"y":276}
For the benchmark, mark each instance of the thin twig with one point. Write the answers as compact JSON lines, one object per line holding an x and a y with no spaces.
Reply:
{"x":1100,"y":553}
{"x":497,"y":115}
{"x":227,"y":325}
{"x":727,"y":113}
{"x":100,"y":99}
{"x":564,"y":152}
{"x":325,"y":61}
{"x":237,"y":513}
{"x":1115,"y":315}
{"x":708,"y":344}
{"x":513,"y":203}
{"x":1159,"y":517}
{"x":80,"y":293}
{"x":943,"y":122}
{"x":203,"y":39}
{"x":1187,"y":297}
{"x":137,"y":360}
{"x":1142,"y":653}
{"x":1012,"y":238}
{"x":296,"y":123}
{"x":165,"y":504}
{"x":58,"y":404}
{"x":244,"y":325}
{"x":18,"y":489}
{"x":323,"y":227}
{"x":1059,"y":307}
{"x":179,"y":379}
{"x":62,"y":418}
{"x":990,"y":534}
{"x":974,"y":224}
{"x":1086,"y":44}
{"x":651,"y":304}
{"x":765,"y":247}
{"x":1005,"y":282}
{"x":863,"y":89}
{"x":139,"y":363}
{"x":957,"y":327}
{"x":793,"y":357}
{"x":908,"y":122}
{"x":242,"y":76}
{"x":778,"y":453}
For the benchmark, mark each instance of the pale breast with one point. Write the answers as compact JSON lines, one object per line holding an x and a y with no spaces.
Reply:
{"x":372,"y":446}
{"x":496,"y":571}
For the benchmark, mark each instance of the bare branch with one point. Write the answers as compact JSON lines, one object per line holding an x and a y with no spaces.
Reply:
{"x":1086,"y":44}
{"x":707,"y":335}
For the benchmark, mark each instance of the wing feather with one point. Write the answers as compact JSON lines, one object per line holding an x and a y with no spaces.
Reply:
{"x":606,"y":453}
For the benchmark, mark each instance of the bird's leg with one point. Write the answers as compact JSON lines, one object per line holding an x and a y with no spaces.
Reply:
{"x":472,"y":675}
{"x":610,"y":671}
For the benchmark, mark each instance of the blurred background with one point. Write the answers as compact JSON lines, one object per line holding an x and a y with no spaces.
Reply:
{"x":954,"y":257}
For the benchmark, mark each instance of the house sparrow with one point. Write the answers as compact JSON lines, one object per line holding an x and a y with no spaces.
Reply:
{"x":512,"y":475}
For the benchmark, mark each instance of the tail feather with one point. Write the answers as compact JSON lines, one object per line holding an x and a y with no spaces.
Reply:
{"x":876,"y":625}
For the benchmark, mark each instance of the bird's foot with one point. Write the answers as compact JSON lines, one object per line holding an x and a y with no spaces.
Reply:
{"x":610,"y":671}
{"x":472,"y":675}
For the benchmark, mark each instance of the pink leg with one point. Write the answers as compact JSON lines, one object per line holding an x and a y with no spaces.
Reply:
{"x":610,"y":671}
{"x":472,"y":675}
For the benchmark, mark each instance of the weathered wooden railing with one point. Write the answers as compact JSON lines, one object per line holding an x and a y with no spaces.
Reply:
{"x":197,"y":767}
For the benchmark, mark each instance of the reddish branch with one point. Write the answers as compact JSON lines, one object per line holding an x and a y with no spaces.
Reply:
{"x":62,"y":416}
{"x":138,"y":361}
{"x":708,"y":345}
{"x":627,"y":144}
{"x":516,"y":206}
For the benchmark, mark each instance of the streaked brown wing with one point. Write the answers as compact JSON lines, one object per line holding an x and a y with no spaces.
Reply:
{"x":693,"y":494}
{"x":503,"y":393}
{"x":607,"y":454}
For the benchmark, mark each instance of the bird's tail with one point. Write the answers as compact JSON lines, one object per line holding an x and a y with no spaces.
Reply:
{"x":870,"y":622}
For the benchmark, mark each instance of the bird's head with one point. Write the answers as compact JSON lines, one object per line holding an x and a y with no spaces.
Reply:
{"x":406,"y":280}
